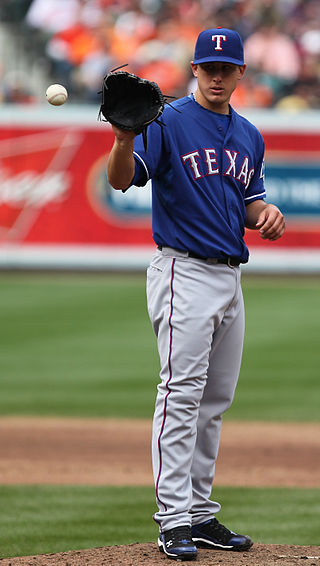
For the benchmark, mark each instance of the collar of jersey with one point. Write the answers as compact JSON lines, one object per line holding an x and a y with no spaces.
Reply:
{"x":217,"y":114}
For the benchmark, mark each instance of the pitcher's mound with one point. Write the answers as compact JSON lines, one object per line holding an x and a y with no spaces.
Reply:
{"x":149,"y":555}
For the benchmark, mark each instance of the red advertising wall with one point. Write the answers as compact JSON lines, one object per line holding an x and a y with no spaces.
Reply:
{"x":52,"y":188}
{"x":54,"y":192}
{"x":293,"y":165}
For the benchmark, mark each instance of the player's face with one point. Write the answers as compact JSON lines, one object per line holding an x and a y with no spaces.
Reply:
{"x":216,"y":83}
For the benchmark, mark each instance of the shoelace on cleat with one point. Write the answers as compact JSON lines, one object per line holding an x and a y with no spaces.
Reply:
{"x":179,"y":535}
{"x":219,"y":531}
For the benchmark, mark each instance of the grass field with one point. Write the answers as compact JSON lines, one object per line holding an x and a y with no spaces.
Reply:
{"x":43,"y":519}
{"x":82,"y":345}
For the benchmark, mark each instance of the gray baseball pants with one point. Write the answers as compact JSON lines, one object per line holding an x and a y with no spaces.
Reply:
{"x":196,"y":309}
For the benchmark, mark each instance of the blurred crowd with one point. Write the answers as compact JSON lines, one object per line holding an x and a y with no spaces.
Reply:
{"x":81,"y":40}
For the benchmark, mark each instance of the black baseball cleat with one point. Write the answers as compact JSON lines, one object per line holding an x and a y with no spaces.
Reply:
{"x":177,"y":543}
{"x":211,"y":534}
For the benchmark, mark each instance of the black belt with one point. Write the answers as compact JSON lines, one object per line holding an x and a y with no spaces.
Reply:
{"x":231,"y":261}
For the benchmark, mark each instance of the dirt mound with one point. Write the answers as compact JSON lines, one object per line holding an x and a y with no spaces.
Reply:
{"x":111,"y":452}
{"x":118,"y":452}
{"x":148,"y":555}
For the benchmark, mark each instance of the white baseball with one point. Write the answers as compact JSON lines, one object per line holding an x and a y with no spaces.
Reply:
{"x":56,"y":94}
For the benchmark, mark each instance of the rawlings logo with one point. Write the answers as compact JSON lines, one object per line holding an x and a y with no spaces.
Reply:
{"x":218,"y":39}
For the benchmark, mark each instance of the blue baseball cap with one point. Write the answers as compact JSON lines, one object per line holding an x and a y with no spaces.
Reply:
{"x":219,"y":44}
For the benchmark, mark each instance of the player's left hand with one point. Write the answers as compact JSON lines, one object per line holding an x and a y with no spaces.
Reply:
{"x":271,"y":223}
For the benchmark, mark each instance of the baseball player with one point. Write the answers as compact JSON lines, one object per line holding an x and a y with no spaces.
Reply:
{"x":207,"y":169}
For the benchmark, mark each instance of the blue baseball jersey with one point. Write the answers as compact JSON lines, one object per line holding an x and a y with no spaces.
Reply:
{"x":205,"y":167}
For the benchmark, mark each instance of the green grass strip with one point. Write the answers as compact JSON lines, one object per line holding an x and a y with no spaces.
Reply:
{"x":82,"y":345}
{"x":43,"y":519}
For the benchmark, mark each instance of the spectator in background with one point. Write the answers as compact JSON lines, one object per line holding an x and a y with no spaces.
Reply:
{"x":68,"y":49}
{"x":250,"y":93}
{"x":130,"y":30}
{"x":80,"y":52}
{"x":14,"y":88}
{"x":96,"y":63}
{"x":310,"y":40}
{"x":81,"y":40}
{"x":298,"y":98}
{"x":51,"y":16}
{"x":165,"y":59}
{"x":273,"y":56}
{"x":309,"y":44}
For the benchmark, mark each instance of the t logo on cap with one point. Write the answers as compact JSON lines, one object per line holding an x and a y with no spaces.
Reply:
{"x":219,"y":44}
{"x":218,"y":39}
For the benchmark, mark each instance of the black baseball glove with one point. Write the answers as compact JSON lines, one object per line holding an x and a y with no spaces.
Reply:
{"x":129,"y":102}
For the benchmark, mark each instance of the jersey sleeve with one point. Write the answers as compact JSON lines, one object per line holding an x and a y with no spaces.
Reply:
{"x":256,"y":189}
{"x":148,"y":163}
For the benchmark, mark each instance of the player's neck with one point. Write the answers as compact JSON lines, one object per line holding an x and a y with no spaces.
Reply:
{"x":220,"y":107}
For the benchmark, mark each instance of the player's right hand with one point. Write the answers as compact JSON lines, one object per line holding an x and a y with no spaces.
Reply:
{"x":123,"y":135}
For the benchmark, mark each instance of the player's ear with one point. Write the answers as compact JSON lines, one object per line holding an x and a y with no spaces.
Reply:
{"x":242,"y":69}
{"x":194,"y":69}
